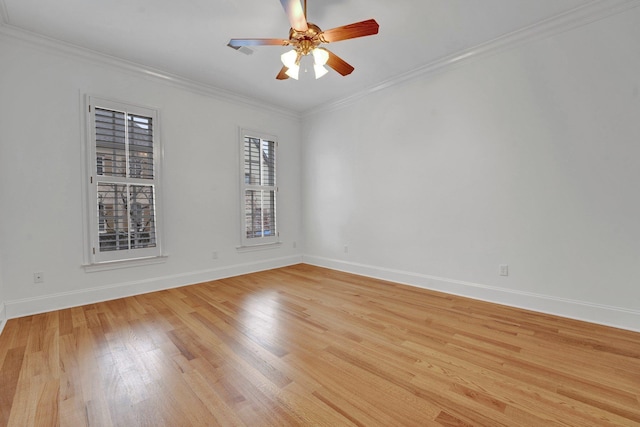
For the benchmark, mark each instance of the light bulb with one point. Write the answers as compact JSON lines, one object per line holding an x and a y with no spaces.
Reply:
{"x":320,"y":56}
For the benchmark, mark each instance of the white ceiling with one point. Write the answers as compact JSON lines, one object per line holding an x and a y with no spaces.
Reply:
{"x":188,"y":38}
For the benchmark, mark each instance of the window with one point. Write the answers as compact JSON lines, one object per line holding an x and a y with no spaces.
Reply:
{"x":259,"y":191}
{"x":102,"y":220}
{"x":124,"y":163}
{"x":99,"y":165}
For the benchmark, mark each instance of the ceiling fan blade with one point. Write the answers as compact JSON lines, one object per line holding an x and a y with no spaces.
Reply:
{"x":257,"y":42}
{"x":296,"y":14}
{"x":282,"y":75}
{"x":351,"y":31}
{"x":339,"y":64}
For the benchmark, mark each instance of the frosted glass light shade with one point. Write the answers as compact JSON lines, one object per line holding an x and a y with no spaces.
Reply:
{"x":320,"y":70}
{"x":320,"y":56}
{"x":293,"y":71}
{"x":289,"y":58}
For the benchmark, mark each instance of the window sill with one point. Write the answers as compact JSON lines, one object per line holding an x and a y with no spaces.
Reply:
{"x":259,"y":247}
{"x":113,"y":265}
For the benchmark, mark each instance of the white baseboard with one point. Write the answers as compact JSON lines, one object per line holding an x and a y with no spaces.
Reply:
{"x":580,"y":310}
{"x":3,"y":316}
{"x":574,"y":309}
{"x":43,"y":304}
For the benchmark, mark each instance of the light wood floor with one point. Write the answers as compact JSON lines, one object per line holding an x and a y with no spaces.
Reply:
{"x":309,"y":346}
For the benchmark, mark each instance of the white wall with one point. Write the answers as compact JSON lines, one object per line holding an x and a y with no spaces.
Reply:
{"x":528,"y":158}
{"x":41,"y":133}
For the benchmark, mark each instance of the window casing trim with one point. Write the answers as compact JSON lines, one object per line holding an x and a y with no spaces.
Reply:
{"x":94,"y":164}
{"x":247,"y":243}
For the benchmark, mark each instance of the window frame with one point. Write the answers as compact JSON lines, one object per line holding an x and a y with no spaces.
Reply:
{"x":95,"y":163}
{"x":274,"y":238}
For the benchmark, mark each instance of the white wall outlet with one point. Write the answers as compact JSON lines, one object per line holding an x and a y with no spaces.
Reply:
{"x":295,"y":244}
{"x":38,"y":277}
{"x":214,"y":255}
{"x":504,"y":270}
{"x":346,"y":249}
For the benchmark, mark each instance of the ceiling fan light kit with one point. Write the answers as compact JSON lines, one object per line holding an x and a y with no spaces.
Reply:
{"x":305,"y":38}
{"x":291,"y":60}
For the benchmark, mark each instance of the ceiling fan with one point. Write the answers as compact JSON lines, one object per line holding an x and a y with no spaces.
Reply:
{"x":306,"y":38}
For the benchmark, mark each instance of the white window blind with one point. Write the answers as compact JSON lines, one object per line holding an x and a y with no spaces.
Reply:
{"x":259,"y":191}
{"x":123,"y":181}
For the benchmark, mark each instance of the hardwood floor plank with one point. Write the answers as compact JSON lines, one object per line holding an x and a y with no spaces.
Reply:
{"x":9,"y":375}
{"x":243,"y":348}
{"x":304,"y":345}
{"x":48,"y":404}
{"x":221,"y":413}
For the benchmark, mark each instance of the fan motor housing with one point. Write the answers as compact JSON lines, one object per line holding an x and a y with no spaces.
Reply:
{"x":306,"y":41}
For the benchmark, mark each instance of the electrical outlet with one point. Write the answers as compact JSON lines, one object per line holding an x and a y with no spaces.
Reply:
{"x":38,"y":277}
{"x":214,"y":255}
{"x":295,"y":244}
{"x":346,"y":249}
{"x":504,"y":270}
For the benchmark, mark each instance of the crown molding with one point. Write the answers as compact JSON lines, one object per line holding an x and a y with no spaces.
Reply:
{"x":149,"y":73}
{"x":580,"y":16}
{"x":583,"y":15}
